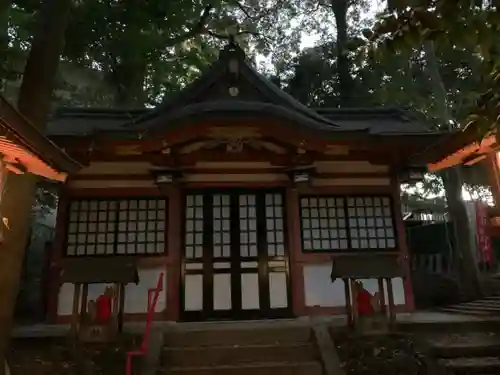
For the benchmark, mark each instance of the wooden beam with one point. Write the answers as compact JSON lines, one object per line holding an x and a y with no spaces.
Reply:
{"x":192,"y":171}
{"x":191,"y":160}
{"x":264,"y":129}
{"x":460,"y":155}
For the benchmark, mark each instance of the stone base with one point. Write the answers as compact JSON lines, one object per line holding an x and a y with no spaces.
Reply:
{"x":97,"y":333}
{"x":373,"y":324}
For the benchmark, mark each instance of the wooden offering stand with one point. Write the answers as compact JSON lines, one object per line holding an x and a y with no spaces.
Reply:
{"x":110,"y":271}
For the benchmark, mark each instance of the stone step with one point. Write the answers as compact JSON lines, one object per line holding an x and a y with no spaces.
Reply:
{"x":482,"y":306}
{"x":471,"y":365}
{"x":468,"y":306}
{"x":237,"y":354}
{"x":456,"y":309}
{"x":494,"y":297}
{"x":483,"y":302}
{"x":251,"y":336}
{"x":468,"y":324}
{"x":283,"y":368}
{"x":466,"y":350}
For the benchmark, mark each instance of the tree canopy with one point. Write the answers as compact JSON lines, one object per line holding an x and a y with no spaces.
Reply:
{"x":122,"y":54}
{"x":471,"y":26}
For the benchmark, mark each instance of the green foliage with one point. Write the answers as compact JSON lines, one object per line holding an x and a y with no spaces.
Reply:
{"x":397,"y":79}
{"x":128,"y":53}
{"x":472,"y":26}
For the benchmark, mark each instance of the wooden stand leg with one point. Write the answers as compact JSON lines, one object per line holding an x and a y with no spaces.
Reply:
{"x":348,"y":305}
{"x":76,"y":315}
{"x":355,"y":312}
{"x":390,"y":297}
{"x":381,"y":291}
{"x":85,"y":295}
{"x":121,"y":307}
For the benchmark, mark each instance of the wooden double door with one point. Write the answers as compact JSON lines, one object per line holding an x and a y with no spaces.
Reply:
{"x":235,"y":256}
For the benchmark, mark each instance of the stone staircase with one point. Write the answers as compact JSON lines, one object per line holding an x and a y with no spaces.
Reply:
{"x":486,"y":307}
{"x":263,"y":350}
{"x":466,"y":353}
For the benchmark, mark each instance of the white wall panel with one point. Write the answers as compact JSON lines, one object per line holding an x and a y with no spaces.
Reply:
{"x":250,"y":291}
{"x":193,"y":293}
{"x":222,"y":291}
{"x":319,"y":290}
{"x":136,"y":296}
{"x":278,"y":297}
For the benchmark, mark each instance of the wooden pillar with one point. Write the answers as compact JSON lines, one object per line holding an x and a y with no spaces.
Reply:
{"x":85,"y":294}
{"x":119,"y":304}
{"x":390,"y":298}
{"x":56,"y":254}
{"x":402,"y":244}
{"x":75,"y":317}
{"x":174,"y":241}
{"x":381,"y":291}
{"x":355,"y":309}
{"x":348,"y":304}
{"x":292,"y":210}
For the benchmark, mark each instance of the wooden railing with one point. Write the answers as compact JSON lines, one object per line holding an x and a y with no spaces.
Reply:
{"x":153,"y":295}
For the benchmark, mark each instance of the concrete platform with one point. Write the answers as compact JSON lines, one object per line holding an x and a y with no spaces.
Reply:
{"x":420,"y":317}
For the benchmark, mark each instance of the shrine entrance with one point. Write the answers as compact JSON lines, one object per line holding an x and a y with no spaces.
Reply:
{"x":235,"y":258}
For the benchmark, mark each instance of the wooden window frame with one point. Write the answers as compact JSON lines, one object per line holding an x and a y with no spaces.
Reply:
{"x":348,"y":238}
{"x":113,"y":226}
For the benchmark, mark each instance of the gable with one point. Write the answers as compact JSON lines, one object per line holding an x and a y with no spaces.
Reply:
{"x":231,"y":84}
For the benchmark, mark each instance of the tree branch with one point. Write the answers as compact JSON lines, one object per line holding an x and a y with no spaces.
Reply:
{"x":196,"y":29}
{"x":229,"y":36}
{"x":244,"y":10}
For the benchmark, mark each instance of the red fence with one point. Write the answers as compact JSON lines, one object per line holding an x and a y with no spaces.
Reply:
{"x":152,"y":301}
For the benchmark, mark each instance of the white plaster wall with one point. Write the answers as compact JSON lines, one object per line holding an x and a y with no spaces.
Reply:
{"x":65,"y":299}
{"x":222,"y":291}
{"x":320,"y":291}
{"x":136,"y":296}
{"x":193,"y":293}
{"x":278,"y":291}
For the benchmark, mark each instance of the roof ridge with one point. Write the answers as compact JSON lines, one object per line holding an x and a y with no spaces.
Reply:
{"x":225,"y":61}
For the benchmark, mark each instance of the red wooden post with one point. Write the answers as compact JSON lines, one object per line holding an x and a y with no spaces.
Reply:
{"x":153,"y":295}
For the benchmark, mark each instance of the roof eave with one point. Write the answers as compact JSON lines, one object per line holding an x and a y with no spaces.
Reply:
{"x":30,"y":138}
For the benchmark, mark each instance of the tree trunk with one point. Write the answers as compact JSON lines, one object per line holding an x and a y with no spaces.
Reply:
{"x":128,"y":78}
{"x":18,"y":195}
{"x":4,"y":39}
{"x":340,"y":8}
{"x":452,"y":181}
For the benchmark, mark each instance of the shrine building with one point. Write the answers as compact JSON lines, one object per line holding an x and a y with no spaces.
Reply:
{"x":239,"y":194}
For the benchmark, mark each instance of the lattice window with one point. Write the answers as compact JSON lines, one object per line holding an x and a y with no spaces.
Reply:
{"x":194,"y":226}
{"x":346,"y":223}
{"x":222,"y":231}
{"x":324,"y":225}
{"x":116,"y":227}
{"x":274,"y":225}
{"x":370,"y":223}
{"x":248,"y":225}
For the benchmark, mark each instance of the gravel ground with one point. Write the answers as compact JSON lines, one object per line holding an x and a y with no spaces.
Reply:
{"x":57,"y":356}
{"x":379,"y":355}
